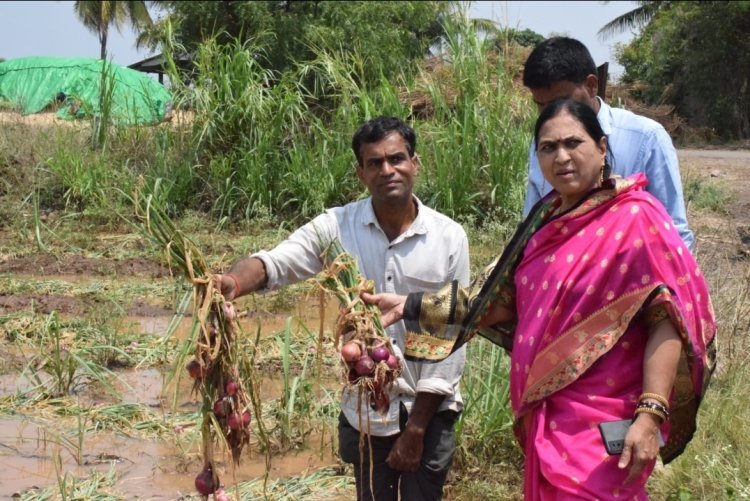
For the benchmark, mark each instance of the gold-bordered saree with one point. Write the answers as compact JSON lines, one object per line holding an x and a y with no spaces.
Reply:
{"x":579,"y":283}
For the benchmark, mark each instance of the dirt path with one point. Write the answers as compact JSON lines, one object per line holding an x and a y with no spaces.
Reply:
{"x":730,"y":169}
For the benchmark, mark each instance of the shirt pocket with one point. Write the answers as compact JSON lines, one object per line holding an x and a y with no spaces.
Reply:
{"x":425,"y":278}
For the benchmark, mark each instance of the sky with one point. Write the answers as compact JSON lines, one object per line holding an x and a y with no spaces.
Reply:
{"x":51,"y":28}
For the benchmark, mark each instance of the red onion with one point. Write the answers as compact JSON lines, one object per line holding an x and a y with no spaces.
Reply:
{"x":195,"y":370}
{"x":231,"y":388}
{"x":380,"y":354}
{"x":235,"y":421}
{"x":392,"y":362}
{"x":364,"y":366}
{"x":204,"y":482}
{"x":351,"y":352}
{"x":219,"y":408}
{"x":229,"y":312}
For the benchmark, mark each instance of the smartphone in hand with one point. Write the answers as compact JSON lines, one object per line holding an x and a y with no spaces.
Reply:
{"x":613,"y":435}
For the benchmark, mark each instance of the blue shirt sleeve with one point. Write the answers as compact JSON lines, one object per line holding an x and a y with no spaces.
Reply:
{"x":664,"y":182}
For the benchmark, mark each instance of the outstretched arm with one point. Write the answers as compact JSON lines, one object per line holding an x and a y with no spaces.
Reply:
{"x":246,"y":275}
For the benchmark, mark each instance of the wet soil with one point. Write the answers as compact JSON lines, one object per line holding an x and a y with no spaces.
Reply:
{"x":71,"y":264}
{"x":160,"y":469}
{"x":67,"y":305}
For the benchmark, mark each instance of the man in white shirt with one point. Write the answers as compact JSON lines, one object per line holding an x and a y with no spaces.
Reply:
{"x":403,"y":246}
{"x":562,"y":67}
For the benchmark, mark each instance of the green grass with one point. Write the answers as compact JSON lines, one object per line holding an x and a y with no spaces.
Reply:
{"x":706,"y":194}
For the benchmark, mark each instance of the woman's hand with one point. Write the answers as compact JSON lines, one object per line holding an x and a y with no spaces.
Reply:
{"x":641,"y":445}
{"x":391,"y":306}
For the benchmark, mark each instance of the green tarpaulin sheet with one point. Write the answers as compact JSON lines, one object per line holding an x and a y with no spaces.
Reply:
{"x":33,"y":83}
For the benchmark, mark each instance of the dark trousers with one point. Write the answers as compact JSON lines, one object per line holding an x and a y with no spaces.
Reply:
{"x":425,"y":484}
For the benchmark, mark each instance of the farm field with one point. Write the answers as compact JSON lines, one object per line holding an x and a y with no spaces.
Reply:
{"x":94,"y":335}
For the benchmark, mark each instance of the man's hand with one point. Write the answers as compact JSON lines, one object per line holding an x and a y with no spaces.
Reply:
{"x":391,"y":306}
{"x":406,"y":453}
{"x":226,"y":285}
{"x":407,"y":450}
{"x":641,"y":445}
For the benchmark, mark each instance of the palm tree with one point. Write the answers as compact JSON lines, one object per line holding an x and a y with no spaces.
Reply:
{"x":97,"y":16}
{"x":636,"y":18}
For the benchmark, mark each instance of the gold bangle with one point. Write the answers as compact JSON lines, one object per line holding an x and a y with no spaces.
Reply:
{"x":655,"y":396}
{"x":649,"y":410}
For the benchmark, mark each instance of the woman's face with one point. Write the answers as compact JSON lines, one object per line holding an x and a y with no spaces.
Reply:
{"x":570,"y":159}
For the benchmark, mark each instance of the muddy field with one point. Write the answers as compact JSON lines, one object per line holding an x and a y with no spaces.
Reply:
{"x":140,"y":439}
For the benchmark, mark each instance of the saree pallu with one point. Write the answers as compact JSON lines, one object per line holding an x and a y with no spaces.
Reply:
{"x":579,"y":283}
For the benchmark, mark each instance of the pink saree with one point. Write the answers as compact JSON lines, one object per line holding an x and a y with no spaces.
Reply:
{"x":579,"y":286}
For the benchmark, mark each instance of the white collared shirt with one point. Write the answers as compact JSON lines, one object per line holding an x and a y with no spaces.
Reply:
{"x":432,"y":252}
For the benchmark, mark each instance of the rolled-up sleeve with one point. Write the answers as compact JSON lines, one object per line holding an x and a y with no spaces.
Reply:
{"x":443,"y":377}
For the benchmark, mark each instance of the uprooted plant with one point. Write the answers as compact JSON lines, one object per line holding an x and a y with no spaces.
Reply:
{"x":215,"y":368}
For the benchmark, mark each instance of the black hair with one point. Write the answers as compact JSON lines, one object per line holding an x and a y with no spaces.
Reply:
{"x":555,"y":60}
{"x":584,"y":114}
{"x":376,"y":129}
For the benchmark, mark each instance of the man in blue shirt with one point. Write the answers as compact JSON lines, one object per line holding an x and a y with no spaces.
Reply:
{"x":562,"y":67}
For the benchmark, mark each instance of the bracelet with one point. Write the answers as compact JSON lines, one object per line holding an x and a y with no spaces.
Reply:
{"x":654,"y":405}
{"x":647,"y":410}
{"x":653,"y":408}
{"x":236,"y":284}
{"x":654,"y":396}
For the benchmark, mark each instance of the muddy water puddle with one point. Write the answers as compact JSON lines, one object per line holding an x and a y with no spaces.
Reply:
{"x":32,"y":457}
{"x":32,"y":454}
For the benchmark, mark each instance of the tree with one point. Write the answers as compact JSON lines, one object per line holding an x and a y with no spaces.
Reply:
{"x":696,"y":56}
{"x":97,"y":16}
{"x":634,"y":19}
{"x":386,"y":35}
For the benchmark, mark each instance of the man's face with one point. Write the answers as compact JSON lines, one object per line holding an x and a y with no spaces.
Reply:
{"x":565,"y":89}
{"x":387,"y":169}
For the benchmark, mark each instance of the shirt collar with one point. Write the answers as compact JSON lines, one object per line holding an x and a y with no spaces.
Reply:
{"x":418,"y":226}
{"x":604,"y":116}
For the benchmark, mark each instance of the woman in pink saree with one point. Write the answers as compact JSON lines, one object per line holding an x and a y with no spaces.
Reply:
{"x":604,"y":311}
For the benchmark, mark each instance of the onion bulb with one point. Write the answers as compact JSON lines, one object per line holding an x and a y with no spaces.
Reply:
{"x":229,"y":312}
{"x":219,"y":408}
{"x":392,"y":362}
{"x":364,"y":366}
{"x":235,"y":421}
{"x":380,"y":354}
{"x":351,"y":352}
{"x":204,"y":482}
{"x":231,"y":388}
{"x":195,"y":370}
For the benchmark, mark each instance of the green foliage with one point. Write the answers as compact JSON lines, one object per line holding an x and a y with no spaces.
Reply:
{"x":97,"y":16}
{"x":696,"y":56}
{"x":525,"y":37}
{"x":705,"y":195}
{"x":388,"y":35}
{"x":268,"y":144}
